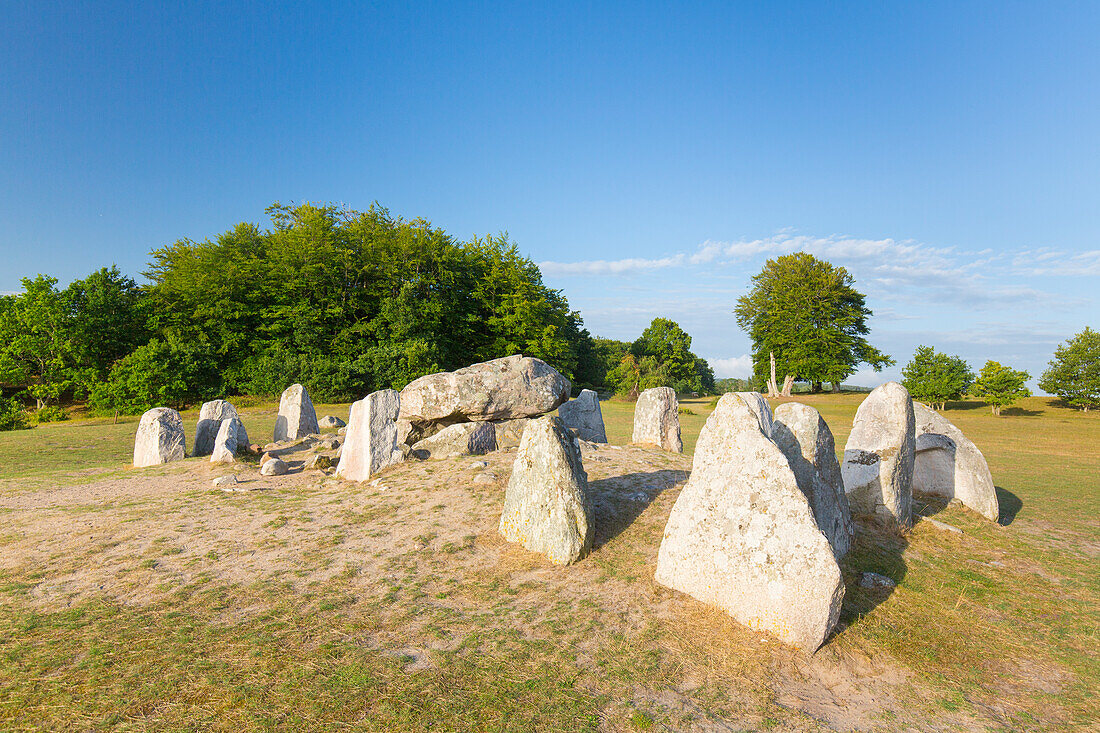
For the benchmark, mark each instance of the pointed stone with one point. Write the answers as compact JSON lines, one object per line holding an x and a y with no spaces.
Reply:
{"x":546,"y":504}
{"x":583,"y":415}
{"x":879,"y":455}
{"x":742,"y":535}
{"x":160,"y":438}
{"x":370,"y":443}
{"x":805,"y":438}
{"x":297,"y":418}
{"x":225,"y":443}
{"x":948,"y":464}
{"x":211,"y":417}
{"x":759,"y":405}
{"x":657,"y":420}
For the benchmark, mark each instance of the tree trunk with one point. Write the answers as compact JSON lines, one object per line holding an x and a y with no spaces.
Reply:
{"x":836,"y":387}
{"x":773,"y":388}
{"x":788,"y":382}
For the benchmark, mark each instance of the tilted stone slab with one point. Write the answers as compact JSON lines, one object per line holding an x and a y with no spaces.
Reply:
{"x":546,"y":505}
{"x":759,"y":405}
{"x":742,"y":535}
{"x":160,"y":438}
{"x":657,"y":420}
{"x":583,"y":415}
{"x":463,"y":439}
{"x":948,"y":464}
{"x":297,"y":418}
{"x":211,"y":416}
{"x":370,"y":443}
{"x":879,"y":455}
{"x":225,"y":443}
{"x":804,"y":437}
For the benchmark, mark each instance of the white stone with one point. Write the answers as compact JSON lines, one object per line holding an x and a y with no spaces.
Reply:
{"x":225,"y":444}
{"x":297,"y":418}
{"x":211,"y":416}
{"x":657,"y":419}
{"x":160,"y":438}
{"x":804,"y":437}
{"x":274,"y":467}
{"x":879,"y":455}
{"x":759,"y":405}
{"x":948,"y":464}
{"x":742,"y":535}
{"x":583,"y":415}
{"x":229,"y":480}
{"x":371,"y":441}
{"x":546,"y":505}
{"x":463,"y":439}
{"x":330,"y":422}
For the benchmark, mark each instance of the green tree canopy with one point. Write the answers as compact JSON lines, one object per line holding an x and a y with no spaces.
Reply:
{"x":935,"y":378}
{"x":36,"y":349}
{"x":1000,"y":386}
{"x":1074,"y":372}
{"x":660,"y":357}
{"x":806,"y":312}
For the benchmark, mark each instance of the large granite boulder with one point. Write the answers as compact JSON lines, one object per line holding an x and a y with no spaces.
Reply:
{"x":948,"y":464}
{"x":211,"y":416}
{"x":742,"y":536}
{"x":802,"y":435}
{"x":297,"y":418}
{"x":657,"y":419}
{"x":546,"y":505}
{"x":502,"y":389}
{"x":510,"y":432}
{"x":159,"y":438}
{"x":879,"y":455}
{"x":583,"y":415}
{"x":225,"y":442}
{"x":463,"y":439}
{"x":370,"y":443}
{"x":759,"y":404}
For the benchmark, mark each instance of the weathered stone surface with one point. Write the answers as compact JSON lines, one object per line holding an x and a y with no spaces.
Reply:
{"x":404,"y":432}
{"x":759,"y":405}
{"x":948,"y":464}
{"x":274,"y":467}
{"x":225,"y":443}
{"x":546,"y":505}
{"x":297,"y":418}
{"x":502,"y":389}
{"x":657,"y":419}
{"x":211,"y":416}
{"x":583,"y":415}
{"x":510,"y":432}
{"x":320,"y":462}
{"x":229,"y":480}
{"x":802,"y":435}
{"x":371,"y":441}
{"x":876,"y":581}
{"x":330,"y":422}
{"x":159,"y":438}
{"x":742,"y":535}
{"x":463,"y":439}
{"x":878,"y":458}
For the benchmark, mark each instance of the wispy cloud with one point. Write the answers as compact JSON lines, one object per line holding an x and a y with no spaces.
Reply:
{"x":1046,"y":261}
{"x":735,"y":366}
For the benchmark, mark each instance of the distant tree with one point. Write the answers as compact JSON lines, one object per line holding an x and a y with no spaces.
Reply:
{"x":167,"y":373}
{"x":935,"y":378}
{"x":732,"y":384}
{"x":35,"y":341}
{"x":806,"y":313}
{"x":1000,"y":386}
{"x":107,"y":320}
{"x":12,"y":414}
{"x":670,"y":347}
{"x":1074,"y":372}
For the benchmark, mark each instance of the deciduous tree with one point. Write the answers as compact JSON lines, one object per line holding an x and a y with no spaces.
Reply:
{"x":935,"y":378}
{"x":1074,"y":372}
{"x":1000,"y":386}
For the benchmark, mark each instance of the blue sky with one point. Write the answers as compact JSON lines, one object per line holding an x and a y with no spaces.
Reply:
{"x":650,"y":156}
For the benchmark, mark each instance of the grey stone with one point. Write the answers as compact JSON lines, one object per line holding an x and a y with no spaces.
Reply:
{"x":742,"y":536}
{"x":330,"y":422}
{"x":876,"y":581}
{"x":759,"y":405}
{"x":943,"y":526}
{"x":879,"y":455}
{"x":583,"y":415}
{"x":229,"y":480}
{"x":320,"y":462}
{"x":546,"y":505}
{"x":160,"y":438}
{"x":211,"y":416}
{"x":802,"y":435}
{"x":371,"y":441}
{"x":225,"y":443}
{"x":948,"y":464}
{"x":274,"y":467}
{"x":657,"y":420}
{"x":463,"y":439}
{"x":297,"y":418}
{"x":510,"y":432}
{"x":485,"y":478}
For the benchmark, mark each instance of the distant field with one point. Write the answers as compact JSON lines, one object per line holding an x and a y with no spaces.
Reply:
{"x":134,"y":600}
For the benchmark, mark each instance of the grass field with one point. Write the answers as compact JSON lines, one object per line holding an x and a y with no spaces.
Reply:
{"x":325,"y":606}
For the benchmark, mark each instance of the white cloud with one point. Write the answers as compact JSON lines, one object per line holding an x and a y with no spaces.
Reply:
{"x":609,"y":267}
{"x":1046,"y":261}
{"x":736,"y":366}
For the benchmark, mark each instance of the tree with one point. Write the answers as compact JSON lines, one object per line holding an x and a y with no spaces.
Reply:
{"x":159,"y":373}
{"x":1000,"y":386}
{"x":35,"y":340}
{"x":935,"y":378}
{"x":1074,"y":372}
{"x":107,"y":319}
{"x":806,"y":312}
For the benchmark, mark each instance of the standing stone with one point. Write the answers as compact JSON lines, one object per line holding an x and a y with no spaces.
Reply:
{"x":742,"y":535}
{"x":759,"y":404}
{"x":802,"y":435}
{"x":657,"y":419}
{"x":211,"y":417}
{"x":583,"y":415}
{"x":948,"y":464}
{"x":159,"y":438}
{"x":297,"y":418}
{"x":371,"y":441}
{"x":879,"y":455}
{"x":546,"y":504}
{"x":225,"y":444}
{"x":463,"y":439}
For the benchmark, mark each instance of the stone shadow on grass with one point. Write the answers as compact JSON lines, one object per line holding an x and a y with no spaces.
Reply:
{"x":1010,"y":505}
{"x":878,"y":547}
{"x":618,"y":500}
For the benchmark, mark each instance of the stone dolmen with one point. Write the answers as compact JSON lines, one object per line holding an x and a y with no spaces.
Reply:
{"x":949,"y":465}
{"x":879,"y":455}
{"x":370,"y":443}
{"x":297,"y":418}
{"x":160,"y":438}
{"x":211,"y":416}
{"x":743,"y":536}
{"x":657,"y":420}
{"x":584,"y":416}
